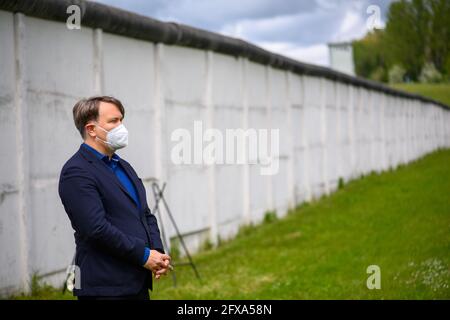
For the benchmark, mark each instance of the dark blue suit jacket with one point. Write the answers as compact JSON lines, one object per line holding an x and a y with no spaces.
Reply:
{"x":111,"y":232}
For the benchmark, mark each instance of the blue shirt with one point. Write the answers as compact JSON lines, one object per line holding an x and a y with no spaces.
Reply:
{"x":126,"y":182}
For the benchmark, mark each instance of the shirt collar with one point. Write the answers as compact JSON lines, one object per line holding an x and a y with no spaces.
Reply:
{"x":114,"y":159}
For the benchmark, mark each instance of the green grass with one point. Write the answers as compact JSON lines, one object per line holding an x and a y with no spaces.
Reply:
{"x":41,"y":291}
{"x":438,"y":91}
{"x":398,"y":220}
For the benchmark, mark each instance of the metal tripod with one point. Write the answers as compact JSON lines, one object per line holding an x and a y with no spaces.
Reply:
{"x":158,"y":194}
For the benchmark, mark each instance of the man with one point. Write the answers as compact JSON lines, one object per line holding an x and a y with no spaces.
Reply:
{"x":118,"y":245}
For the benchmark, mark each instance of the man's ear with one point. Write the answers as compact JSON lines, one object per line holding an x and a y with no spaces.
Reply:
{"x":90,"y":130}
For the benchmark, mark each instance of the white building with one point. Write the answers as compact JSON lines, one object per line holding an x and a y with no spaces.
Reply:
{"x":341,"y":57}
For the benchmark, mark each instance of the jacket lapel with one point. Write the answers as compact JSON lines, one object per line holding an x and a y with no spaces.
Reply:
{"x":104,"y":168}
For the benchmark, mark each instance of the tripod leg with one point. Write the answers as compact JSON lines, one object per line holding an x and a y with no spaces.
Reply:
{"x":156,"y":209}
{"x":178,"y":232}
{"x":174,"y":278}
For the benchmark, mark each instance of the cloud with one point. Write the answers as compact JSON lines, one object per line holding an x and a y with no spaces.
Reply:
{"x":315,"y":54}
{"x":211,"y":14}
{"x":301,"y":28}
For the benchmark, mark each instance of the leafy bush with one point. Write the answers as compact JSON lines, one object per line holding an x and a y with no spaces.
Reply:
{"x":429,"y":73}
{"x":396,"y":74}
{"x":270,"y":216}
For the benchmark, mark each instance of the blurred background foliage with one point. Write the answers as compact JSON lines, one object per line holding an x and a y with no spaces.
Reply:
{"x":413,"y":47}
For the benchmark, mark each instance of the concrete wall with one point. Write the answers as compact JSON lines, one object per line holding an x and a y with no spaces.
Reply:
{"x":328,"y":129}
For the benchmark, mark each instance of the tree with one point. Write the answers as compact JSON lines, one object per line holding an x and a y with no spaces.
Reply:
{"x":406,"y":35}
{"x":417,"y":35}
{"x":439,"y":35}
{"x":369,"y":56}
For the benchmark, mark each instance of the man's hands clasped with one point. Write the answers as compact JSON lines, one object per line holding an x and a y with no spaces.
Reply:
{"x":158,"y":263}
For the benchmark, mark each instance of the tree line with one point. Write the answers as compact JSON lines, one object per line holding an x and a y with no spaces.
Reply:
{"x":414,"y":45}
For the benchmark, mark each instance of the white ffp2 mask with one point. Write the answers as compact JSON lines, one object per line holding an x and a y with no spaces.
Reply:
{"x":116,"y":138}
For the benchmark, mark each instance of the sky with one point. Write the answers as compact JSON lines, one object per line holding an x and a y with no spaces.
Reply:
{"x":299,"y":29}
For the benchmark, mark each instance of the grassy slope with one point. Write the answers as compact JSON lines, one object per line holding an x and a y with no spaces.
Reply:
{"x":399,"y":220}
{"x":439,"y":92}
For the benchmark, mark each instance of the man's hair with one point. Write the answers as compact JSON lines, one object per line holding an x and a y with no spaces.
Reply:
{"x":86,"y":110}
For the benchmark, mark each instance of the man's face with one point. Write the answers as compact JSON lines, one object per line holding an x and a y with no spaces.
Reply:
{"x":109,"y":117}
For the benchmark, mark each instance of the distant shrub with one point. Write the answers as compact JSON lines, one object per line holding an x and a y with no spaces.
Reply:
{"x":430,"y":74}
{"x":270,"y":216}
{"x":396,"y":74}
{"x":207,"y":245}
{"x":340,"y":183}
